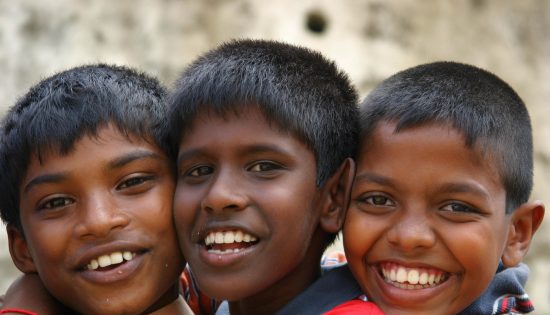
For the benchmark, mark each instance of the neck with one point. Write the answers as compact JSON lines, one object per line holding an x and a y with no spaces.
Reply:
{"x":283,"y":291}
{"x":177,"y":307}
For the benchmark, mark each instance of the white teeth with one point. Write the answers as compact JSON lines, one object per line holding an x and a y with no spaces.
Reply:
{"x":226,"y":251}
{"x":93,"y":264}
{"x":431,"y":278}
{"x":228,"y":237}
{"x":423,"y":278}
{"x":116,"y":258}
{"x":127,"y":256}
{"x":393,"y":276}
{"x":401,"y":275}
{"x":239,"y":236}
{"x":104,"y":261}
{"x":111,"y":259}
{"x":411,"y":278}
{"x":219,"y":238}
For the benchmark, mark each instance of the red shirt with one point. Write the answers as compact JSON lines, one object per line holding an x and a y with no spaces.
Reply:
{"x":356,"y":306}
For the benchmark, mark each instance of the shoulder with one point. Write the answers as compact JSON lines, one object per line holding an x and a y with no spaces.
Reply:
{"x":335,"y":287}
{"x":355,"y":306}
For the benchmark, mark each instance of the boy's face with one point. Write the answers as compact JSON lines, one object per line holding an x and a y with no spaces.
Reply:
{"x":98,"y":224}
{"x":246,"y":206}
{"x":426,"y":226}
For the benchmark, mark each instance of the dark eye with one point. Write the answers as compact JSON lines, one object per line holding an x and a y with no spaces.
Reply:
{"x":457,"y":207}
{"x":379,"y":200}
{"x":264,"y":166}
{"x":54,"y":203}
{"x":134,"y":181}
{"x":201,"y":170}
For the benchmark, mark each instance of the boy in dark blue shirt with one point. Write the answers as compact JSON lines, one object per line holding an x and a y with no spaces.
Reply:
{"x":441,"y":197}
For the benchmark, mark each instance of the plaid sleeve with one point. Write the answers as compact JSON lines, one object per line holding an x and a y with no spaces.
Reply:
{"x":199,"y":303}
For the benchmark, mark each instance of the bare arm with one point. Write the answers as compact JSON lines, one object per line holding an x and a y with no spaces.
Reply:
{"x":28,"y":293}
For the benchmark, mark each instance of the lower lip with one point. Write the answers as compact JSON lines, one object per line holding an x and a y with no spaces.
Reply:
{"x":119,"y":273}
{"x":399,"y":296}
{"x":226,"y":259}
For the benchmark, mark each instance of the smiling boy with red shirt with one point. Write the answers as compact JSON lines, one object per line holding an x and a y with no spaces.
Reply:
{"x":440,"y":199}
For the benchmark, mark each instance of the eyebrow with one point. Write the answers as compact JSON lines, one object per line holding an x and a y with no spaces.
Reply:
{"x":453,"y":187}
{"x":374,"y":178}
{"x":465,"y":188}
{"x":44,"y":179}
{"x":132,"y":156}
{"x":114,"y":164}
{"x":249,"y":149}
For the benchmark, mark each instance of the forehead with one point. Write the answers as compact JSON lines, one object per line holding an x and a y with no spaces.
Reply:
{"x":436,"y":149}
{"x":108,"y":143}
{"x":429,"y":133}
{"x":244,"y":121}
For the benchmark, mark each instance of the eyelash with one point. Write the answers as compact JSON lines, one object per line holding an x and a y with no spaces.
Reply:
{"x":133,"y":181}
{"x":259,"y":166}
{"x":198,"y":171}
{"x":52,"y":203}
{"x":371,"y":200}
{"x":463,"y":208}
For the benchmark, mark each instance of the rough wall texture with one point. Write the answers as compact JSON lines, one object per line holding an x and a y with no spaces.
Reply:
{"x":369,"y":39}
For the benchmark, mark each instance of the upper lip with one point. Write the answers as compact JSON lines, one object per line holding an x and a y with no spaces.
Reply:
{"x":94,"y":251}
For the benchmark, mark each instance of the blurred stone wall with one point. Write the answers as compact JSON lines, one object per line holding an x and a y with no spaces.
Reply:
{"x":370,"y":39}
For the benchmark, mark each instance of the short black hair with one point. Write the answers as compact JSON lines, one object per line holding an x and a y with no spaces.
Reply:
{"x":61,"y":109}
{"x":296,"y":88}
{"x":486,"y":110}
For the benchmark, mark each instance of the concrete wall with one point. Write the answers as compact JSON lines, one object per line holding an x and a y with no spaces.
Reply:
{"x":369,"y":39}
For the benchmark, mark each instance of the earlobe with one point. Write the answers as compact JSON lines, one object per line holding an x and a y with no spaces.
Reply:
{"x":19,"y":250}
{"x":337,"y":192}
{"x":524,"y":223}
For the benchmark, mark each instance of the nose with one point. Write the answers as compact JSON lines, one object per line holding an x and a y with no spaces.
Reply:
{"x":100,"y":215}
{"x":225,"y":193}
{"x":412,"y":231}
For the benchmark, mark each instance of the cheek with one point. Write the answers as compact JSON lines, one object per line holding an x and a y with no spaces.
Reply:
{"x":356,"y":241}
{"x":183,"y":214}
{"x":361,"y":233}
{"x":156,"y":211}
{"x":479,"y":269}
{"x":50,"y":249}
{"x":49,"y":244}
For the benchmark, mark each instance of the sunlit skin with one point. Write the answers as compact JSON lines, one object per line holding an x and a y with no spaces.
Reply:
{"x":424,"y":201}
{"x":242,"y":174}
{"x":111,"y":193}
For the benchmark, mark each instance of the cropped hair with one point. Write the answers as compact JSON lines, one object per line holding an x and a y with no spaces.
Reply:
{"x":296,"y":88}
{"x":489,"y":114}
{"x":54,"y":114}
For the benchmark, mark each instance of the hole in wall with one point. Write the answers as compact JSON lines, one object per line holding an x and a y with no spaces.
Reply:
{"x":316,"y":22}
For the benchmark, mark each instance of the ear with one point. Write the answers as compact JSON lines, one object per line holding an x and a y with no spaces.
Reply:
{"x":19,"y":250}
{"x":336,"y":197}
{"x":525,"y":221}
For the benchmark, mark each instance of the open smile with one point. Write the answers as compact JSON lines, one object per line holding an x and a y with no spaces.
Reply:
{"x":408,"y":278}
{"x":228,"y":241}
{"x":111,"y":263}
{"x":110,"y":260}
